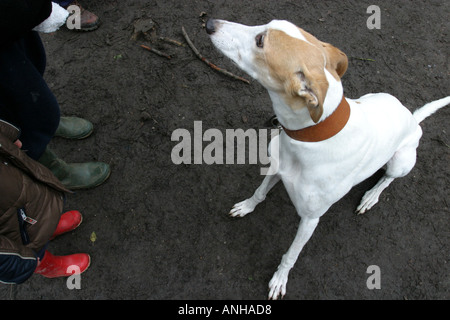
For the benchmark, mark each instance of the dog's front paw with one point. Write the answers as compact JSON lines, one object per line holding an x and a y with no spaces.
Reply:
{"x":277,"y":286}
{"x":242,"y":208}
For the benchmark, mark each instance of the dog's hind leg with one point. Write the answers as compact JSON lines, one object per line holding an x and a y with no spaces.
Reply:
{"x":242,"y":208}
{"x":277,"y":286}
{"x":371,"y":197}
{"x":399,"y":166}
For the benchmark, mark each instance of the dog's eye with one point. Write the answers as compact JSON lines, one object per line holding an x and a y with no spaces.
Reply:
{"x":260,"y":40}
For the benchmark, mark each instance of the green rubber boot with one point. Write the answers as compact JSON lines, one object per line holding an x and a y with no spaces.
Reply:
{"x":74,"y":128}
{"x":75,"y":176}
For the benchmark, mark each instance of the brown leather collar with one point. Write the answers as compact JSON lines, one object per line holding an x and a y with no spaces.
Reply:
{"x":325,"y":129}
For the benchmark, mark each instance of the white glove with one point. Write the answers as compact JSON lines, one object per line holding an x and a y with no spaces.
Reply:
{"x":57,"y":18}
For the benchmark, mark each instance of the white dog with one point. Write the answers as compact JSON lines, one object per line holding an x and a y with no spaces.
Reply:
{"x":329,"y":143}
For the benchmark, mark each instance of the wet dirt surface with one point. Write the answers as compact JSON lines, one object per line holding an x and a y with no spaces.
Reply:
{"x":162,"y":230}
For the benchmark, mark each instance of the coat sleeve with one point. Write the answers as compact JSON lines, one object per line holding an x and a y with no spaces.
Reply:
{"x":17,"y":17}
{"x":9,"y":131}
{"x":17,"y":263}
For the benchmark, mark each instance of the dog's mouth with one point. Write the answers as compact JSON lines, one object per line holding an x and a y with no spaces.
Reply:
{"x":237,"y":42}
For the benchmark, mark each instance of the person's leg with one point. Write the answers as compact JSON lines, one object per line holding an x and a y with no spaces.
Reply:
{"x":25,"y":99}
{"x":63,"y":3}
{"x":28,"y":103}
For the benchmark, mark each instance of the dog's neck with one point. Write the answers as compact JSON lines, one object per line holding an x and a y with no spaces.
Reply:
{"x":299,"y":119}
{"x":325,"y":129}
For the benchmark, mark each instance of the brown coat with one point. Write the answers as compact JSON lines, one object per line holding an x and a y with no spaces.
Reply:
{"x":26,"y":189}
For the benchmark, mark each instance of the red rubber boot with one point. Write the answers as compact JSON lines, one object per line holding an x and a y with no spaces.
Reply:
{"x":68,"y":222}
{"x":58,"y":266}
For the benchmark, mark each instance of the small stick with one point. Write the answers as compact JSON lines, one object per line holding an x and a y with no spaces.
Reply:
{"x":362,"y":59}
{"x":197,"y":53}
{"x":172,"y":41}
{"x":441,"y":142}
{"x":159,"y":53}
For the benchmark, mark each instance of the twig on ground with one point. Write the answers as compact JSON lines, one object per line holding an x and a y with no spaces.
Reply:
{"x":159,"y":53}
{"x":172,"y":41}
{"x":441,"y":142}
{"x":197,"y":53}
{"x":362,"y":59}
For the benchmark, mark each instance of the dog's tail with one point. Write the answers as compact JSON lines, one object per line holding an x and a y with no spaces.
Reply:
{"x":430,"y":108}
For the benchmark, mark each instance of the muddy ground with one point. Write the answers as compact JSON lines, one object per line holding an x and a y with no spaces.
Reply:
{"x":162,"y":230}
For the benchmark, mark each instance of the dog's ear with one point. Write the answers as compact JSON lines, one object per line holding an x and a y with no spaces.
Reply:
{"x":312,"y":91}
{"x":312,"y":103}
{"x":337,"y":61}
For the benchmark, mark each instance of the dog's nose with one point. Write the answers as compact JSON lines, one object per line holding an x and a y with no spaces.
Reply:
{"x":210,"y":26}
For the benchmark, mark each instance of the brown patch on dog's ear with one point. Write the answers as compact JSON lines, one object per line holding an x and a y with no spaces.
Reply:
{"x":337,"y":61}
{"x":315,"y":109}
{"x":313,"y":92}
{"x":304,"y":91}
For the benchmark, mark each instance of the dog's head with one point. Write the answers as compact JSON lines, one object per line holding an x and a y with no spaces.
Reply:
{"x":284,"y":58}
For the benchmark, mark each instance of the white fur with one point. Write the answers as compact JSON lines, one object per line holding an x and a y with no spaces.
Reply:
{"x":288,"y":28}
{"x":380,"y":131}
